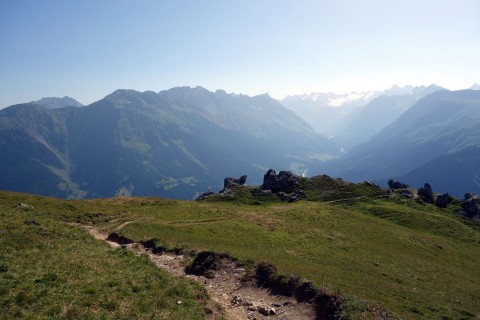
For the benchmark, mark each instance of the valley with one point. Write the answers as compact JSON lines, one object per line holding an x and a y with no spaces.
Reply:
{"x":239,"y":160}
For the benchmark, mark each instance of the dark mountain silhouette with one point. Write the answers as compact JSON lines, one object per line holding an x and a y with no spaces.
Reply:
{"x":454,"y":173}
{"x":173,"y":143}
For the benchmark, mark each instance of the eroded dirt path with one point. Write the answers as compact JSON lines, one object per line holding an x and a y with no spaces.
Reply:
{"x":238,"y":299}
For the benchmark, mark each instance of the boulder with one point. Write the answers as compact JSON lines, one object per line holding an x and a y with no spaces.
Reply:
{"x":284,"y":181}
{"x":260,"y":192}
{"x":299,"y":192}
{"x":443,"y":200}
{"x":470,"y":205}
{"x":469,"y":195}
{"x":405,"y":192}
{"x":395,"y":185}
{"x":426,"y":193}
{"x":229,"y":183}
{"x":23,"y":206}
{"x":283,"y":196}
{"x":204,"y":195}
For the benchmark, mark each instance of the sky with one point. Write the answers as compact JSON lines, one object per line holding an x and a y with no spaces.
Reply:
{"x":87,"y":49}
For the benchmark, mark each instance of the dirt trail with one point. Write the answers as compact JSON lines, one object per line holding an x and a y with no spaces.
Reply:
{"x":123,"y":225}
{"x":101,"y":234}
{"x":238,"y":299}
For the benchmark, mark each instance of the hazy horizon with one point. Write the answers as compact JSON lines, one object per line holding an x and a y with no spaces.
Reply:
{"x":88,"y":49}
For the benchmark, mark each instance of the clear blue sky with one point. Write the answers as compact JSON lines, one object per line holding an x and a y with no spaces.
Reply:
{"x":88,"y":48}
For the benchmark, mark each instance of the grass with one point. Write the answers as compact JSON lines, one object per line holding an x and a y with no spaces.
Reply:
{"x":52,"y":270}
{"x":412,"y":259}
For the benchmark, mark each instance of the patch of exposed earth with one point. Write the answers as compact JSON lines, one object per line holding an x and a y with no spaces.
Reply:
{"x":227,"y":286}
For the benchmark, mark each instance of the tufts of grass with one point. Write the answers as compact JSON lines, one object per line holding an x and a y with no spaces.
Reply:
{"x":385,"y":257}
{"x":414,"y":260}
{"x":49,"y":269}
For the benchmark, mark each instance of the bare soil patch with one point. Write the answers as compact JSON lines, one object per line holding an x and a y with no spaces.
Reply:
{"x":235,"y":295}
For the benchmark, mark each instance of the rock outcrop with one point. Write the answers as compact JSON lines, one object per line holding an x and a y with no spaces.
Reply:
{"x":283,"y":182}
{"x":443,"y":200}
{"x":470,"y":205}
{"x":204,"y":195}
{"x":405,"y":193}
{"x":426,"y":193}
{"x":395,"y":185}
{"x":229,"y":183}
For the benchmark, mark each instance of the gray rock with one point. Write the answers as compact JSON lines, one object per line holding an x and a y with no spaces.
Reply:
{"x":426,"y":193}
{"x":405,"y":192}
{"x":260,"y":192}
{"x":284,"y":181}
{"x":283,"y":196}
{"x":470,"y":205}
{"x":23,"y":206}
{"x":299,"y":192}
{"x":229,"y":183}
{"x":264,"y":311}
{"x":204,"y":195}
{"x":443,"y":200}
{"x":395,"y":185}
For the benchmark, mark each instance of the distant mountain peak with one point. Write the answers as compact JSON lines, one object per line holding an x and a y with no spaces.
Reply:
{"x":422,"y":90}
{"x":55,"y":102}
{"x":475,"y":86}
{"x":331,"y":99}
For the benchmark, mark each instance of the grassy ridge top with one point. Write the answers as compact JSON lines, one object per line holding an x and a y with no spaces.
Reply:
{"x":52,"y":270}
{"x":414,"y":259}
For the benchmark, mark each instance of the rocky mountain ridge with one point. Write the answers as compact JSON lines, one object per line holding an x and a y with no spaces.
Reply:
{"x":173,"y":143}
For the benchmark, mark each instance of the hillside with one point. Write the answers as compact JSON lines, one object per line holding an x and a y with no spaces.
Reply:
{"x":50,"y":269}
{"x":382,"y":257}
{"x":354,"y":117}
{"x":455,"y":173}
{"x":325,"y":112}
{"x":364,"y":122}
{"x":174,"y":143}
{"x":442,"y":123}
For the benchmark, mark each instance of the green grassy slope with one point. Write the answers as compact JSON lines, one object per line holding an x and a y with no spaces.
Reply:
{"x":413,"y":259}
{"x":52,"y":270}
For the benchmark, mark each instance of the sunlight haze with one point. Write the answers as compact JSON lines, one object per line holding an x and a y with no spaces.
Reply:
{"x":88,"y":49}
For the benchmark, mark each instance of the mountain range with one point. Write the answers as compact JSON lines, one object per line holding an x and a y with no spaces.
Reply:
{"x":174,"y":143}
{"x":365,"y":121}
{"x":334,"y":115}
{"x":324,"y":111}
{"x":436,"y":139}
{"x":182,"y":141}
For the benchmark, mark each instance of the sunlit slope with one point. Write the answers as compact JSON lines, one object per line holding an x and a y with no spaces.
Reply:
{"x":52,"y":270}
{"x":413,"y":259}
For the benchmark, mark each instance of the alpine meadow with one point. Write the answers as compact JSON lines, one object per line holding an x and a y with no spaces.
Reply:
{"x":253,"y":160}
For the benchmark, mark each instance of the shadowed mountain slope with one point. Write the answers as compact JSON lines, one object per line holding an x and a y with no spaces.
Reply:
{"x":440,"y":124}
{"x":173,"y":143}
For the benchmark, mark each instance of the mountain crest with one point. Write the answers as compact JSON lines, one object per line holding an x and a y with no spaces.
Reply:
{"x":55,"y":103}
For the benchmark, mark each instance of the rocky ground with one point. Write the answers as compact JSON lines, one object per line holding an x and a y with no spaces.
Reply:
{"x":233,"y":296}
